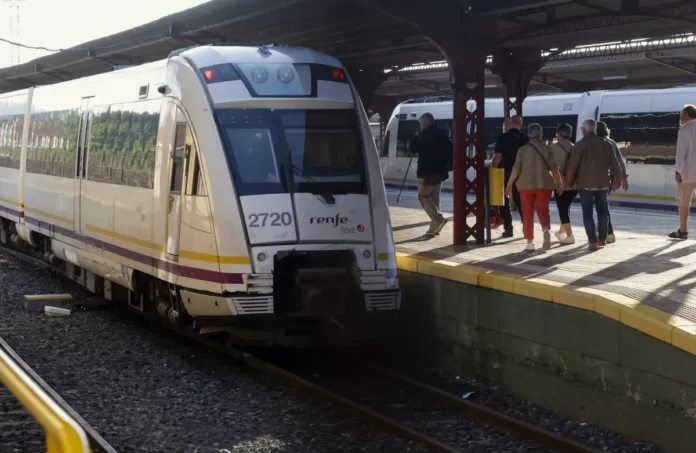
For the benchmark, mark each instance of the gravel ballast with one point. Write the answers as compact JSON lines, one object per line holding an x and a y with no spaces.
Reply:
{"x":149,"y":391}
{"x":497,"y":399}
{"x":153,"y":392}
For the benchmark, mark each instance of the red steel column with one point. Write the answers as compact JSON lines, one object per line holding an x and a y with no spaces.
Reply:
{"x":469,"y":147}
{"x":465,"y":39}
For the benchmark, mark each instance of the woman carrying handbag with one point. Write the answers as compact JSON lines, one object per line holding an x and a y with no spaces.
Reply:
{"x":536,"y":175}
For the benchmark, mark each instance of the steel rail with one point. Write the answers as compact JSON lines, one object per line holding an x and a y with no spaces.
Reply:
{"x":485,"y":415}
{"x":97,"y":443}
{"x":341,"y":401}
{"x":488,"y":416}
{"x":66,"y":431}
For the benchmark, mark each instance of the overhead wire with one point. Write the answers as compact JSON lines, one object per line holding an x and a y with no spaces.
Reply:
{"x":47,"y":49}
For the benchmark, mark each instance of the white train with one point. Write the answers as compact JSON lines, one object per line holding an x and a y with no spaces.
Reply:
{"x":227,"y":188}
{"x":643,"y":122}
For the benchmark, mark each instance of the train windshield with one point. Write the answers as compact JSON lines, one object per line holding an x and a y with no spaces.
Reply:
{"x":281,"y":151}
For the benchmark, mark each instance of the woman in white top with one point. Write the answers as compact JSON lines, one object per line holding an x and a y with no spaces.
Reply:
{"x":561,"y":151}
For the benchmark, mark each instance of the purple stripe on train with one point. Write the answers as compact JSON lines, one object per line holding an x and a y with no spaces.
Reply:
{"x":173,"y":268}
{"x":11,"y":211}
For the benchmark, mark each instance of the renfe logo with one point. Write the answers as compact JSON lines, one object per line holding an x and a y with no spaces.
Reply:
{"x":335,"y":221}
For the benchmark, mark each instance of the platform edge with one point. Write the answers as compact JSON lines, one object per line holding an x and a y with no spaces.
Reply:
{"x":671,"y":329}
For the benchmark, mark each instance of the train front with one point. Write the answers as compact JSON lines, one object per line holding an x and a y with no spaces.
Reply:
{"x":309,"y":190}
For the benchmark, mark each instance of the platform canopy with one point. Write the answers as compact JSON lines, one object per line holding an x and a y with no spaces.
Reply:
{"x":370,"y":33}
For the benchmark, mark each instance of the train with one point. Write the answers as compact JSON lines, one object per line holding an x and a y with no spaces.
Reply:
{"x":231,"y":190}
{"x":644,"y":123}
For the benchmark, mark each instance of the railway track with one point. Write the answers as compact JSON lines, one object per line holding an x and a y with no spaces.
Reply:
{"x":383,"y":397}
{"x":379,"y":395}
{"x":19,"y":432}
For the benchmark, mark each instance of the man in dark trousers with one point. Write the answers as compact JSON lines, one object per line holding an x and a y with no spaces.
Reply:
{"x":434,"y":150}
{"x":505,"y":154}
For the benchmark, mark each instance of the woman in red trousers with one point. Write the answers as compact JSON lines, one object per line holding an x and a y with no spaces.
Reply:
{"x":536,"y":175}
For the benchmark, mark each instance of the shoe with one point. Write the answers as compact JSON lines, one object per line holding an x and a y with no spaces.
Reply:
{"x":440,"y":226}
{"x":679,"y":235}
{"x":530,"y":247}
{"x":568,"y":240}
{"x":559,"y":235}
{"x":611,"y":239}
{"x":601,"y":243}
{"x":593,"y":247}
{"x":507,"y":234}
{"x":547,"y":240}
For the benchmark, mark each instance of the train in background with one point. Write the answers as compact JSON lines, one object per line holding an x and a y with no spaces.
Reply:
{"x":228,"y":189}
{"x":644,"y":123}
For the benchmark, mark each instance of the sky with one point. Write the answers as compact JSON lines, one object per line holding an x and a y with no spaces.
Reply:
{"x":66,"y":23}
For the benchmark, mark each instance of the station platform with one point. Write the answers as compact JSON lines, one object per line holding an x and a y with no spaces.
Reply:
{"x":645,"y":280}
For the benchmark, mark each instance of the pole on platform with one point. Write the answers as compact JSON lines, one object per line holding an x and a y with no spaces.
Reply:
{"x":488,"y":207}
{"x":404,"y":181}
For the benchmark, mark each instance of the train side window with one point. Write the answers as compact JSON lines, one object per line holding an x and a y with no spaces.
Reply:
{"x":194,"y":176}
{"x":178,"y":158}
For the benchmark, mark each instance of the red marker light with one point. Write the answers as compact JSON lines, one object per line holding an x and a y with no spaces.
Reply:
{"x":338,"y":74}
{"x":209,"y":74}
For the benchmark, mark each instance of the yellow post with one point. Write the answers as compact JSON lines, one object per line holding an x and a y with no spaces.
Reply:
{"x":63,"y":433}
{"x":496,"y":186}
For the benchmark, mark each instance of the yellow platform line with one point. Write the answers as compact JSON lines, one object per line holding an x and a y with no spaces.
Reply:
{"x":672,"y":329}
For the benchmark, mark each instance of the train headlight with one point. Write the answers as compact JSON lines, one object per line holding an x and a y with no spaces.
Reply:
{"x":261,"y":256}
{"x":286,"y":74}
{"x":367,"y":254}
{"x":259,"y":74}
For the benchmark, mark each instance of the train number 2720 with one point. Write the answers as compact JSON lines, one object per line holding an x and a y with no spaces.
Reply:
{"x":273,"y":219}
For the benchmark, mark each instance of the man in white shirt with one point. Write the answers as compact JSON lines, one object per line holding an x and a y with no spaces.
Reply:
{"x":685,"y":168}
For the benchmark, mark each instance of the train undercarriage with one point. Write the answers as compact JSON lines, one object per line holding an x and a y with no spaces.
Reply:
{"x":316,"y":299}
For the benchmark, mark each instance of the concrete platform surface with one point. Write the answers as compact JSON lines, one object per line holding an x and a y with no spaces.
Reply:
{"x":644,"y":280}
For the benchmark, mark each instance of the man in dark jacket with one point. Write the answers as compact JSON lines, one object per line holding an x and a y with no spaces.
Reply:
{"x":588,"y":167}
{"x":434,"y":150}
{"x":505,"y":154}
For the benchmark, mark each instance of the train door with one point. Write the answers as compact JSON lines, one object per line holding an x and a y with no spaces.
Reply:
{"x":81,"y":160}
{"x":177,"y":164}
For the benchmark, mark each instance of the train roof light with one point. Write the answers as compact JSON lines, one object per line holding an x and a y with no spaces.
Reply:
{"x":219,"y":73}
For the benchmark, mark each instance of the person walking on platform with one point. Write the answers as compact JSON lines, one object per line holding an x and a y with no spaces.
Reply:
{"x":434,"y":150}
{"x":604,"y":132}
{"x":685,"y":168}
{"x":588,"y":169}
{"x":561,"y":151}
{"x":506,"y":149}
{"x":535,"y":172}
